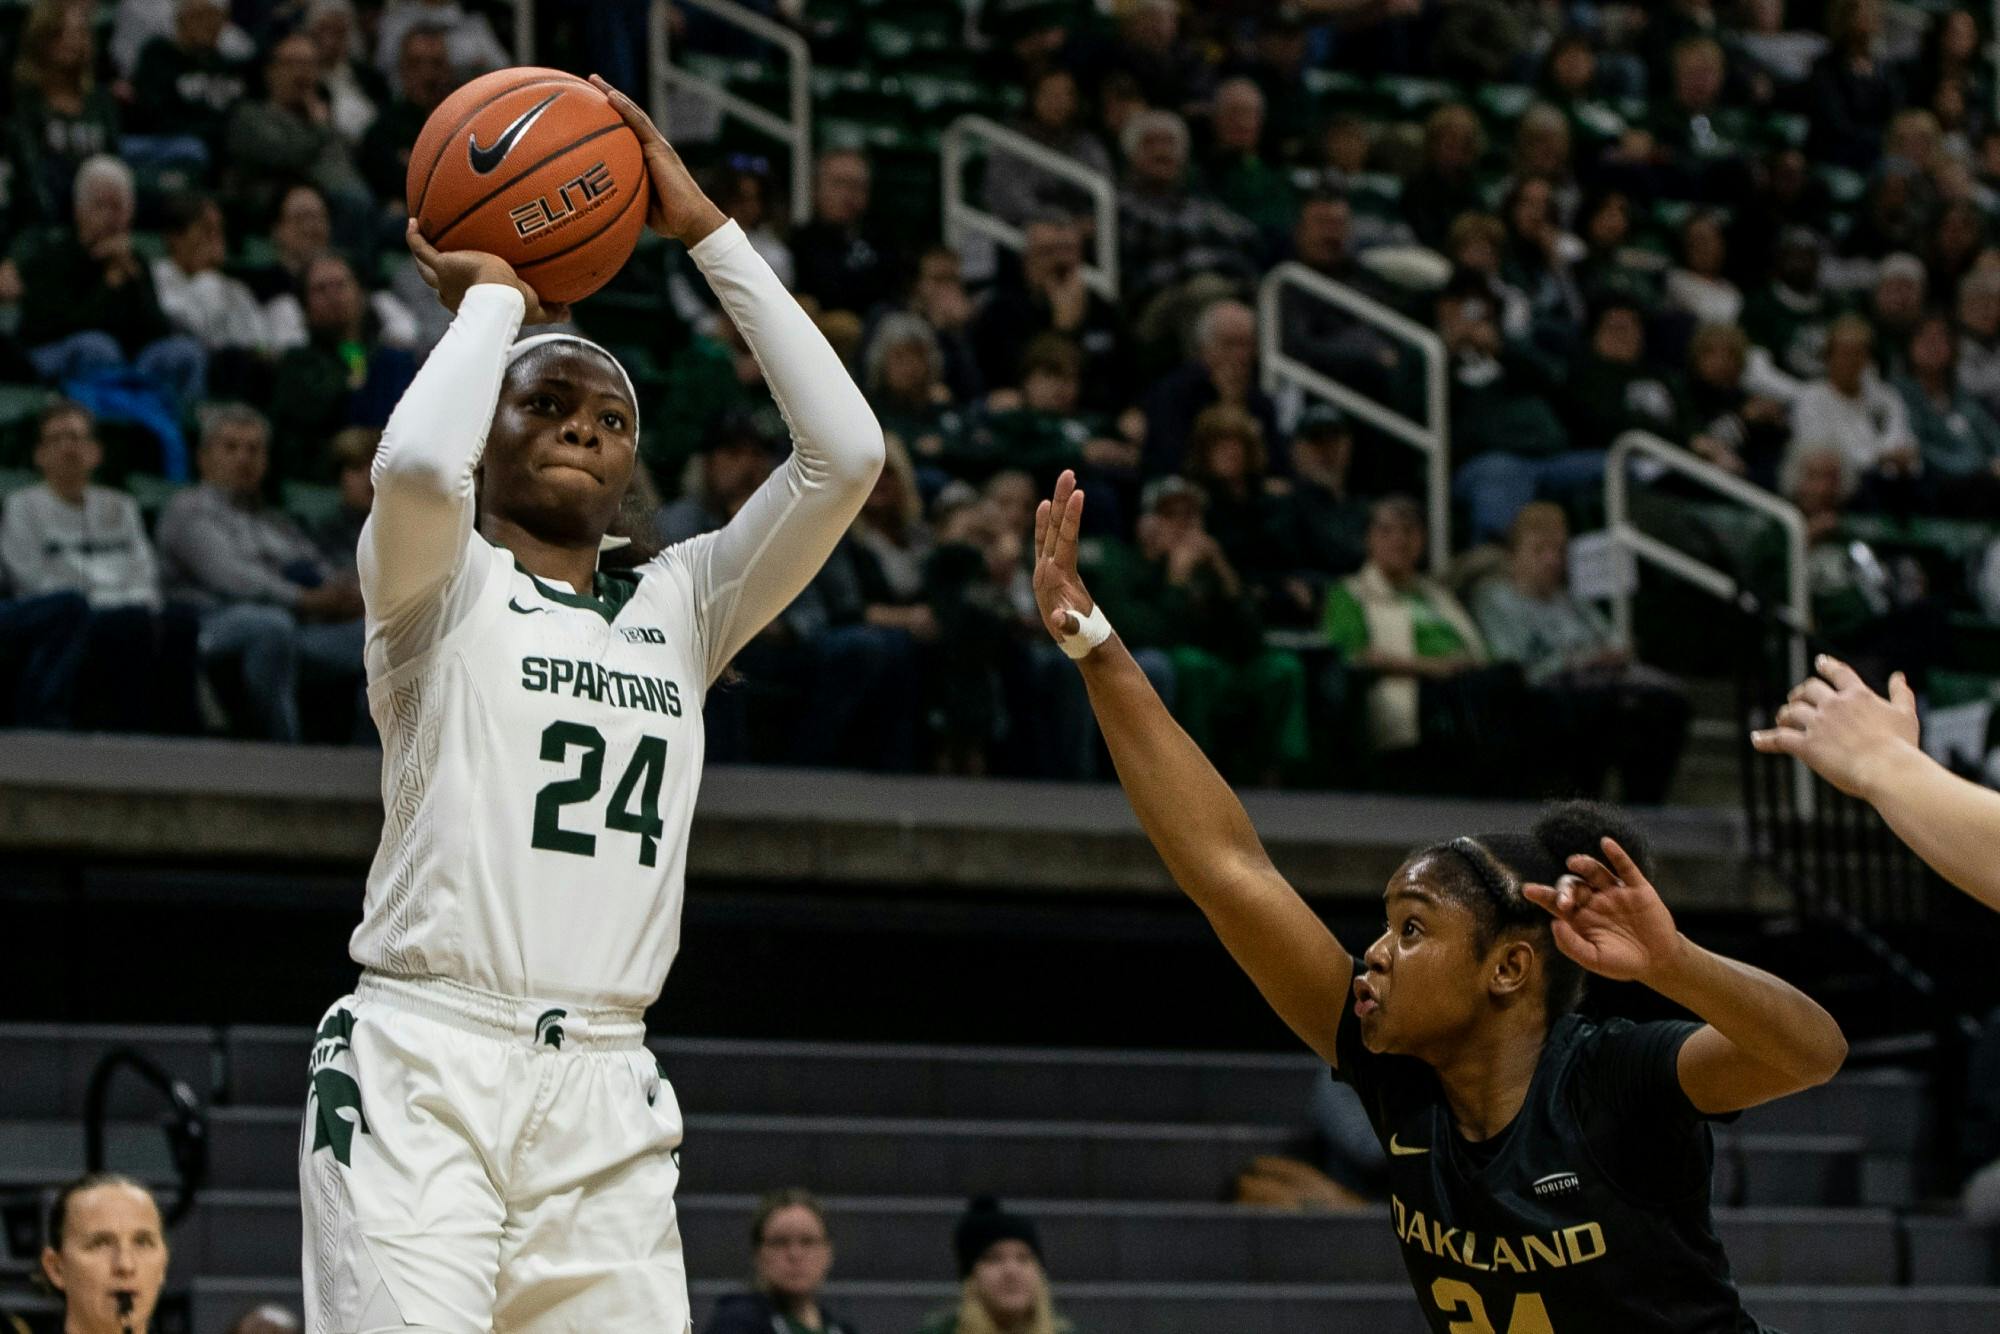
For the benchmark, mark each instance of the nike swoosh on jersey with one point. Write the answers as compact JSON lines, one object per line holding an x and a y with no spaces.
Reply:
{"x":485,"y":158}
{"x":525,"y":611}
{"x":1403,"y":1150}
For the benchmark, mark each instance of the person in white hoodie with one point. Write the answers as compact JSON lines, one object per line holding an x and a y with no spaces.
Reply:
{"x":65,"y":535}
{"x":1854,"y":411}
{"x":217,"y":308}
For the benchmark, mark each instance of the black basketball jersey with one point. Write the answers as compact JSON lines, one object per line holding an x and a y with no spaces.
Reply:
{"x":1588,"y":1214}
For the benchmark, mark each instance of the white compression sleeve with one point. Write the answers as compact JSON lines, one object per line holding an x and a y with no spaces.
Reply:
{"x":748,"y":571}
{"x":414,"y":544}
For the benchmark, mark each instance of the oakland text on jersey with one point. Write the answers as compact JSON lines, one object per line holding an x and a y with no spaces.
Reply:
{"x":1558,"y":1248}
{"x":582,"y":679}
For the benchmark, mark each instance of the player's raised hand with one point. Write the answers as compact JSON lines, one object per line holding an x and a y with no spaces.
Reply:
{"x":1059,"y":590}
{"x":679,"y":207}
{"x":1839,"y":726}
{"x":1609,"y":918}
{"x":453,"y":273}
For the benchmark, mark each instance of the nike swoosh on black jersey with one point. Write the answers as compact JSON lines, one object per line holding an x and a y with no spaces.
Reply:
{"x":525,"y":611}
{"x":485,"y":159}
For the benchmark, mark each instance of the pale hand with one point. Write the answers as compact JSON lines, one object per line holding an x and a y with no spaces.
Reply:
{"x":1059,"y":590}
{"x":679,"y":209}
{"x":1841,"y":728}
{"x":1608,"y":916}
{"x":453,"y":273}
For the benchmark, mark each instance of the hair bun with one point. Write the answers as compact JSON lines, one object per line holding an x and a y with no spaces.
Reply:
{"x":1568,"y":828}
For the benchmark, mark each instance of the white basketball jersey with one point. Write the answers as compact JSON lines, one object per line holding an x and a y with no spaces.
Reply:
{"x":542,"y":747}
{"x":540,"y":766}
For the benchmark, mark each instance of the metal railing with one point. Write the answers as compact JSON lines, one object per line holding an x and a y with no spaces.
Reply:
{"x":968,"y":134}
{"x":1432,"y":439}
{"x":1795,"y":613}
{"x":1925,"y":942}
{"x":794,"y":128}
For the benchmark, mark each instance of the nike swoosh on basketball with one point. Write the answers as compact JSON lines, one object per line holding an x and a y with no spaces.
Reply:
{"x":525,"y":611}
{"x":485,"y":159}
{"x":1403,"y":1150}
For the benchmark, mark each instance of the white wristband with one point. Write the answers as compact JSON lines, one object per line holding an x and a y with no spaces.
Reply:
{"x":1089,"y":632}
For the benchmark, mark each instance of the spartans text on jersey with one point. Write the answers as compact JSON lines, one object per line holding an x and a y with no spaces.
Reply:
{"x":582,"y":679}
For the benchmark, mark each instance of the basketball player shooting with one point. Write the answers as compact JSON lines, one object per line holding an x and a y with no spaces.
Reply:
{"x":487,"y":1143}
{"x":1549,"y":1173}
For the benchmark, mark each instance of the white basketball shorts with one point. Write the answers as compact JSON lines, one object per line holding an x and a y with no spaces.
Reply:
{"x":472,"y":1163}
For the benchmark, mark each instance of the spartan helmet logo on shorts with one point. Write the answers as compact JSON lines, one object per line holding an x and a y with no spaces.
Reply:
{"x":334,"y":1104}
{"x":548,"y":1028}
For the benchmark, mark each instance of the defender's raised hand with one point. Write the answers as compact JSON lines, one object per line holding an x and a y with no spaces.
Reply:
{"x":1840,"y":727}
{"x":679,"y":208}
{"x":1609,"y":918}
{"x":1059,"y":590}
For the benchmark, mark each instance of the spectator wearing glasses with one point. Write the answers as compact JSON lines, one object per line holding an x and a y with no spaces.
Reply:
{"x":791,"y":1255}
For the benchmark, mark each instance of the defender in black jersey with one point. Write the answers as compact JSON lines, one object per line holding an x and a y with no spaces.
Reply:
{"x":1549,"y":1174}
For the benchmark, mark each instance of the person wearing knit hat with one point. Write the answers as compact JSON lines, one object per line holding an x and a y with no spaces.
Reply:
{"x":1005,"y":1291}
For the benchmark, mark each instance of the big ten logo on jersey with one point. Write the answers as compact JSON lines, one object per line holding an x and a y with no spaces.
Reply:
{"x":567,"y":201}
{"x":643,"y":634}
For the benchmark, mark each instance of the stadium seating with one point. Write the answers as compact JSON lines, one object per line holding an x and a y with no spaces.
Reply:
{"x":1125,"y":1158}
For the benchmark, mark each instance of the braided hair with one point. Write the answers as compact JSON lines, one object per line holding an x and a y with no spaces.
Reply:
{"x":1484,"y":875}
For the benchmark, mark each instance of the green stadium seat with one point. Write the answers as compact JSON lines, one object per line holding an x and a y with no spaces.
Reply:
{"x":152,"y":492}
{"x":1846,"y":186}
{"x":1336,"y":88}
{"x":255,"y":252}
{"x":1787,"y":128}
{"x":898,"y":40}
{"x":17,"y":479}
{"x":1950,"y":688}
{"x":1948,"y":539}
{"x":19,"y":404}
{"x":945,"y":97}
{"x":1670,"y":215}
{"x":311,"y":503}
{"x":859,"y":95}
{"x":1504,"y":103}
{"x":1414,"y":97}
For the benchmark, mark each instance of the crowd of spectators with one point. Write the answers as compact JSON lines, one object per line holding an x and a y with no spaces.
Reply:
{"x":1757,"y":230}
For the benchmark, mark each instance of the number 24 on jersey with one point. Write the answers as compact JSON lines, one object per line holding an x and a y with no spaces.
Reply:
{"x":641,"y":779}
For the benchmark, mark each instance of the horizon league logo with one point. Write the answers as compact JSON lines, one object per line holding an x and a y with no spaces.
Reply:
{"x":560,"y":205}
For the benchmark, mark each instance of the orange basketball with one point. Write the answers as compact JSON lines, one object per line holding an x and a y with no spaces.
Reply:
{"x":532,"y":165}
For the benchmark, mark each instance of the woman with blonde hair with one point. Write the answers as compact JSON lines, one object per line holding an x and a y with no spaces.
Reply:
{"x":1006,"y":1290}
{"x":61,"y":116}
